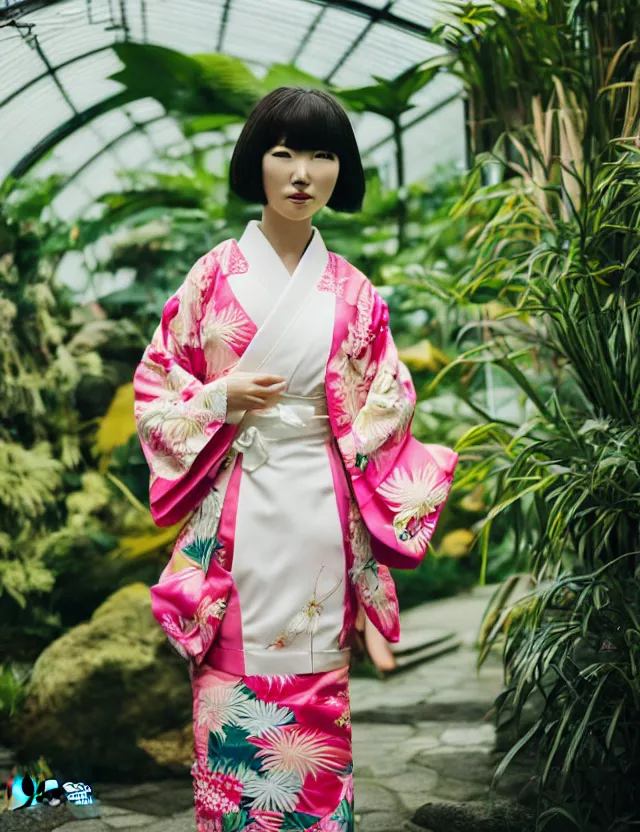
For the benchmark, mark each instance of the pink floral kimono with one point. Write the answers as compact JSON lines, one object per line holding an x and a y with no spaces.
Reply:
{"x":293,"y":516}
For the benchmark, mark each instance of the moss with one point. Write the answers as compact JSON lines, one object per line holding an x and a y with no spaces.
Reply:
{"x":101,"y":688}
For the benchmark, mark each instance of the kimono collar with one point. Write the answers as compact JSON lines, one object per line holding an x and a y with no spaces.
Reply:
{"x":262,"y":257}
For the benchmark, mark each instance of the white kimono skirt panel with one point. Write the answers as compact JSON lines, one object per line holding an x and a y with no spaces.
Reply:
{"x":289,"y":560}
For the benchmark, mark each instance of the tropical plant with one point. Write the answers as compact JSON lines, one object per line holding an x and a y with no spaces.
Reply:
{"x":560,"y":249}
{"x":59,"y":515}
{"x":12,"y":690}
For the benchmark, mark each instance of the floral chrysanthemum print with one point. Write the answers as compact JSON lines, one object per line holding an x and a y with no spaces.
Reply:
{"x":415,"y":497}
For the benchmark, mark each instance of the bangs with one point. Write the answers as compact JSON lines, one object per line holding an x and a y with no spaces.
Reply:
{"x":306,"y":122}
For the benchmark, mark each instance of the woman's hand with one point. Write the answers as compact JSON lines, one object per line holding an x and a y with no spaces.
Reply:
{"x":248,"y":391}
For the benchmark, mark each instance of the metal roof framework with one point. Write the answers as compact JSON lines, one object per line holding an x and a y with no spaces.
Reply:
{"x":55,"y":59}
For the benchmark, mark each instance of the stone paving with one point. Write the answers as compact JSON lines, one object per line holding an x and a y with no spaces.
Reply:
{"x":420,"y":736}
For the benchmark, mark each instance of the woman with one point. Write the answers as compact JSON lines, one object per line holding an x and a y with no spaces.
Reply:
{"x":275,"y":416}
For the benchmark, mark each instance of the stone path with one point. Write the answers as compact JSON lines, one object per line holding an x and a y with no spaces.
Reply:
{"x":420,"y":736}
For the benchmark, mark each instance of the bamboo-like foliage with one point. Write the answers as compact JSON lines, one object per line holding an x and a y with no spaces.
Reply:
{"x":554,"y":90}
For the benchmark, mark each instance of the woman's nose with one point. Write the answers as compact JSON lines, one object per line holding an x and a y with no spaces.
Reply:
{"x":300,"y":174}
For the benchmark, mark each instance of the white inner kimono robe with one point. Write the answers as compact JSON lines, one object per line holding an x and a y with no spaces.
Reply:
{"x":289,"y":560}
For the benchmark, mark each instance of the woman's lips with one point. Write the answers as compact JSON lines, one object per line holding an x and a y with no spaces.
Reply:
{"x":300,"y":197}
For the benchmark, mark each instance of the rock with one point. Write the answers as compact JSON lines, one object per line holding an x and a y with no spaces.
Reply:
{"x":161,"y":799}
{"x":475,"y":816}
{"x":87,"y":826}
{"x":103,"y":689}
{"x":130,"y":821}
{"x":447,"y":788}
{"x":38,"y":819}
{"x":519,"y":779}
{"x":173,"y":750}
{"x":468,"y":766}
{"x":530,"y":792}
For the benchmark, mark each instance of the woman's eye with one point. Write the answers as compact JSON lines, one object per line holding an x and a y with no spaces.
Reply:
{"x":282,"y":153}
{"x":325,"y":154}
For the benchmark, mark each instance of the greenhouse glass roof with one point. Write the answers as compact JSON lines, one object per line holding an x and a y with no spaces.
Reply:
{"x":56,"y":59}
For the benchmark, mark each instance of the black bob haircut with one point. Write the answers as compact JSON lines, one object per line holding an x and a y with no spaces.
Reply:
{"x":303,"y":120}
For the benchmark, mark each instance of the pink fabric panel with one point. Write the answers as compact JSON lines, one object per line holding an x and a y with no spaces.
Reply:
{"x":189,"y":606}
{"x":343,"y":497}
{"x":171,"y":501}
{"x":380,"y":507}
{"x":227,"y":653}
{"x":399,"y":483}
{"x":273,"y":752}
{"x":373,"y":588}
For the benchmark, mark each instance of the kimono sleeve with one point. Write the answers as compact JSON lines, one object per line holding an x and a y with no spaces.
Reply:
{"x":400,"y":484}
{"x":179,"y":417}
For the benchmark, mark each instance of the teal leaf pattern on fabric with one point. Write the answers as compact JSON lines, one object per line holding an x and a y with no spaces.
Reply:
{"x":235,"y":750}
{"x":202,"y":550}
{"x":362,"y":460}
{"x":232,"y":821}
{"x":298,"y":821}
{"x":344,"y":814}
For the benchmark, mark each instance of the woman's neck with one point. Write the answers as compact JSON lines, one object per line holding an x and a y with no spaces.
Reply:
{"x":288,"y":238}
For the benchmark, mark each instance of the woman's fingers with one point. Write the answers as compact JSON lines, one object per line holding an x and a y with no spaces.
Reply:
{"x":266,"y":392}
{"x":269,"y":380}
{"x":256,"y":401}
{"x":263,"y":397}
{"x":248,"y":391}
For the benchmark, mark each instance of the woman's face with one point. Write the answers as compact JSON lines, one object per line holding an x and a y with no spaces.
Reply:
{"x":287,"y":172}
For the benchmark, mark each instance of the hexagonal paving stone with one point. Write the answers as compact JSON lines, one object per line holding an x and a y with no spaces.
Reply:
{"x":381,"y":822}
{"x":469,"y":735}
{"x":129,"y":820}
{"x":370,"y":796}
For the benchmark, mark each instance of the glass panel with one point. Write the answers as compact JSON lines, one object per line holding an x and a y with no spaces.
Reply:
{"x":19,"y":63}
{"x":442,"y":87}
{"x":27,"y":119}
{"x":417,"y":11}
{"x":267,"y":32}
{"x":336,"y":33}
{"x":164,"y":133}
{"x":70,"y":202}
{"x":371,"y":128}
{"x":436,"y":140}
{"x":134,"y":152}
{"x":72,"y":153}
{"x":189,"y":26}
{"x":65,"y":29}
{"x":87,"y":81}
{"x":145,"y":109}
{"x":383,"y":51}
{"x":112,"y":124}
